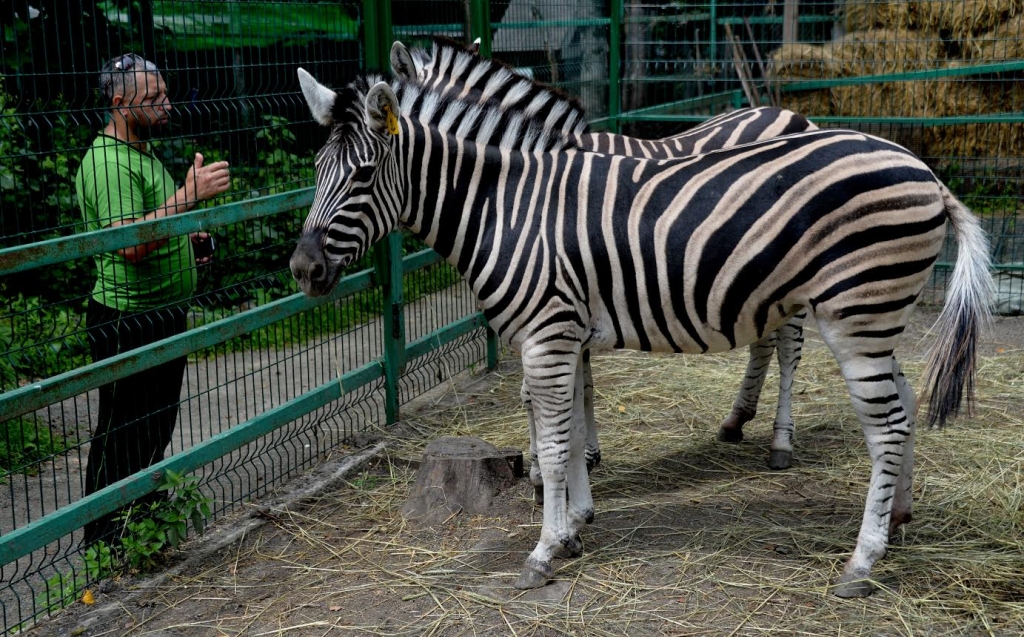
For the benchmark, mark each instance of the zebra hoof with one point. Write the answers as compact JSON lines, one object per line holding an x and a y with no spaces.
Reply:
{"x":538,"y":495}
{"x":854,"y":587}
{"x":534,"y":574}
{"x":593,"y":461}
{"x":728,"y":434}
{"x":779,"y":459}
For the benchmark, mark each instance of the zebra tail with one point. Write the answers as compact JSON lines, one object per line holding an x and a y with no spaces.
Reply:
{"x":949,"y":373}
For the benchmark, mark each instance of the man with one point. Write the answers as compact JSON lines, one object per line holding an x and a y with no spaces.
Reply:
{"x":140,"y":291}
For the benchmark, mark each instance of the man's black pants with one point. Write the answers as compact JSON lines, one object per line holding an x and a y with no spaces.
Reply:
{"x":136,"y":413}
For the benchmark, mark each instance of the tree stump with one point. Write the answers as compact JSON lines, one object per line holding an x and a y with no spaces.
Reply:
{"x":460,"y":474}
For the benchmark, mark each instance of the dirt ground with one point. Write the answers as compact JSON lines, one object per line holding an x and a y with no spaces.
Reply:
{"x":692,"y":536}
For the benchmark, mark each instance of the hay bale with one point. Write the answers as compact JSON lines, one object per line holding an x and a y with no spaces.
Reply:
{"x":878,"y":51}
{"x":859,"y":15}
{"x":881,"y":51}
{"x":1004,"y":43}
{"x":966,"y":19}
{"x":965,"y":96}
{"x":799,"y":61}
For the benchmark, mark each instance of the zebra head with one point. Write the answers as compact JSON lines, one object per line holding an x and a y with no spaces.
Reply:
{"x":350,"y":210}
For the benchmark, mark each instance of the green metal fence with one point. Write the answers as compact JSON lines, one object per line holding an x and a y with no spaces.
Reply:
{"x":277,"y":382}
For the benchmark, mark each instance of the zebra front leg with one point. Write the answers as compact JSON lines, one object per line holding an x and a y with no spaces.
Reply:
{"x":789,"y":349}
{"x":592,"y":452}
{"x":745,"y":406}
{"x":903,"y":502}
{"x":593,"y":449}
{"x":535,"y":477}
{"x":886,"y":426}
{"x":554,"y":377}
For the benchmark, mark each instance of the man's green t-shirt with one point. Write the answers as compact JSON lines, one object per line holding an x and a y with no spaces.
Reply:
{"x":116,"y":181}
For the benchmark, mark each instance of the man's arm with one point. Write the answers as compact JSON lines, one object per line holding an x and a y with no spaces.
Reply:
{"x":202,"y":182}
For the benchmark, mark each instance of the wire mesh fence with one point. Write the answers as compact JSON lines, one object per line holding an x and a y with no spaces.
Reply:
{"x":942,"y":78}
{"x":229,"y":69}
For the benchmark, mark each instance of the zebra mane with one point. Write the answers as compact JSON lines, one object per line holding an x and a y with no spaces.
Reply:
{"x":451,"y":68}
{"x":486,"y":124}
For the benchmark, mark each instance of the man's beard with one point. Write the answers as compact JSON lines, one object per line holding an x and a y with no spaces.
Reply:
{"x":147,"y":132}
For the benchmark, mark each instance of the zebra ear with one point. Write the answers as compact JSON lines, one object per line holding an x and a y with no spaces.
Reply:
{"x":402,"y":64}
{"x":382,"y":109}
{"x":319,"y":98}
{"x":474,"y":47}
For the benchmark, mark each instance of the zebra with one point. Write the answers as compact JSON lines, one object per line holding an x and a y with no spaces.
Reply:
{"x":724,"y":247}
{"x":456,"y":70}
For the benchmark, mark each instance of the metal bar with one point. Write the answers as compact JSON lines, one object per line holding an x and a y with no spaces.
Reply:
{"x":713,"y":35}
{"x":445,"y":335}
{"x":69,"y":384}
{"x":56,"y":525}
{"x":540,"y":24}
{"x":492,"y":348}
{"x":420,"y":260}
{"x":371,"y":49}
{"x":480,"y":25}
{"x":614,"y":82}
{"x":385,"y":36}
{"x":790,"y":23}
{"x":86,"y":244}
{"x":836,"y":119}
{"x":907,"y":76}
{"x":388,"y":263}
{"x":804,"y":19}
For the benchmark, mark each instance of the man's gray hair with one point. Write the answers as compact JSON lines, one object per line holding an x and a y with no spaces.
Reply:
{"x":116,"y":71}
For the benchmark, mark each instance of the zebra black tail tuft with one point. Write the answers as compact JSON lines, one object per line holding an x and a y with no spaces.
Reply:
{"x":949,"y":374}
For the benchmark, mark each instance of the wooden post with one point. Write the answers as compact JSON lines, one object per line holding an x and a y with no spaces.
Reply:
{"x":790,"y":25}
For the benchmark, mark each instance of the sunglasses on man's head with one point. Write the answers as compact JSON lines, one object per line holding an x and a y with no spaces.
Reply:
{"x":126,"y":62}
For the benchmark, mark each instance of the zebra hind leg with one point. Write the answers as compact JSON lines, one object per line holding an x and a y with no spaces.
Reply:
{"x":866,"y":363}
{"x":903,"y":501}
{"x":593,"y":449}
{"x":744,"y":408}
{"x":789,"y":349}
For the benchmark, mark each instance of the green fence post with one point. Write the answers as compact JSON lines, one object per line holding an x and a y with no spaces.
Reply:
{"x":480,"y":27}
{"x":371,"y":48}
{"x":480,"y":24}
{"x":388,"y":266}
{"x":614,"y":65}
{"x":377,"y":39}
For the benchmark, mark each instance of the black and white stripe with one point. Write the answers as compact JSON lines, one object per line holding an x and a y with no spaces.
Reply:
{"x":459,"y":72}
{"x":713,"y":252}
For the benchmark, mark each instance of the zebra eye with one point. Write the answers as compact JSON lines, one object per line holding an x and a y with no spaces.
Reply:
{"x":362,"y":174}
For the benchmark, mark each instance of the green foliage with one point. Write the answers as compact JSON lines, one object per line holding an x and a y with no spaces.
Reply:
{"x":220,"y":24}
{"x":29,"y":354}
{"x":149,"y":530}
{"x":99,"y":561}
{"x":23,"y":444}
{"x":60,"y":590}
{"x":988,"y":194}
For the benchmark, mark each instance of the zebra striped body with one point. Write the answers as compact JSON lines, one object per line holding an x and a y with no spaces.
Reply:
{"x":457,"y":71}
{"x":713,"y":252}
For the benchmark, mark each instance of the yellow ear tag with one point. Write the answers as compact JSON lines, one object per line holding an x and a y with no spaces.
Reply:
{"x":391,"y":120}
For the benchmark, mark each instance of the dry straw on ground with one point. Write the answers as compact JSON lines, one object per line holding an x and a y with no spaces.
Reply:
{"x":692,"y":537}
